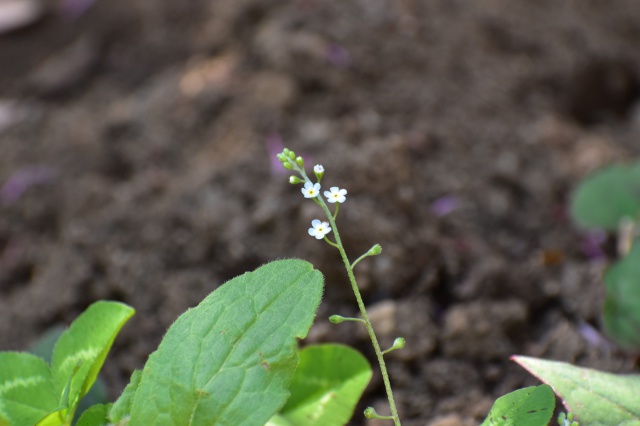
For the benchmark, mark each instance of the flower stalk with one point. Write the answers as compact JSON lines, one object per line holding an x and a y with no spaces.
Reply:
{"x":319,"y":230}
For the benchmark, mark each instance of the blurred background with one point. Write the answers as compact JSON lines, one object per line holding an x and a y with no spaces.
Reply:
{"x":137,"y":163}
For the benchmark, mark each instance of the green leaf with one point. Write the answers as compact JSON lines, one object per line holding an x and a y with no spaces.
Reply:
{"x":596,"y":398}
{"x":229,"y":361}
{"x":96,"y":415}
{"x":277,"y":420}
{"x":83,"y":347}
{"x":532,"y":406}
{"x":621,"y":313}
{"x":26,"y":391}
{"x":607,"y":196}
{"x":326,"y":386}
{"x":121,"y":410}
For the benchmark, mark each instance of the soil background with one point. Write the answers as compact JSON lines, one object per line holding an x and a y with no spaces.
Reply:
{"x":137,"y":143}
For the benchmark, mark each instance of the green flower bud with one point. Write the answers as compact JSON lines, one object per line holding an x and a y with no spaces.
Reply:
{"x":294,"y":180}
{"x":399,"y":343}
{"x":300,"y":161}
{"x":292,"y":155}
{"x":287,"y":165}
{"x":318,"y":170}
{"x":286,"y":151}
{"x":282,"y":157}
{"x":370,"y":413}
{"x":375,"y":250}
{"x":337,"y":319}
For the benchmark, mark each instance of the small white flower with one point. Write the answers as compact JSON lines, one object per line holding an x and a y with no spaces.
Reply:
{"x":319,"y":229}
{"x":335,"y":194}
{"x":311,"y":190}
{"x":318,"y":169}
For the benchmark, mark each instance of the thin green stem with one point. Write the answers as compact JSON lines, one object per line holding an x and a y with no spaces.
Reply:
{"x":363,"y":312}
{"x":331,"y":242}
{"x":335,"y":212}
{"x":356,"y":291}
{"x":353,"y":265}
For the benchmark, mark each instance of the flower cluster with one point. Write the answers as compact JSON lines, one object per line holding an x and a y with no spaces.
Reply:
{"x":311,"y":190}
{"x":319,"y":230}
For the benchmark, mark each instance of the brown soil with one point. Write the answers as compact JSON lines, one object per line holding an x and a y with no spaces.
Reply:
{"x":134,"y":154}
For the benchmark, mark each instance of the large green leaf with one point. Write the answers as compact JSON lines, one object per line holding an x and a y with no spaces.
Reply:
{"x":596,"y":398}
{"x":621,"y":314}
{"x":326,"y":386}
{"x":532,"y":406}
{"x":81,"y":350}
{"x":229,"y":361}
{"x":607,"y":196}
{"x":26,"y":390}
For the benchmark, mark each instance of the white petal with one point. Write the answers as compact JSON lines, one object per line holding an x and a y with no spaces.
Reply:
{"x":312,"y":232}
{"x":319,"y":235}
{"x":343,"y":192}
{"x":315,"y":223}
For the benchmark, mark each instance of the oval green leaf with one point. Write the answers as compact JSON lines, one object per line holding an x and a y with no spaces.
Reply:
{"x":607,"y":196}
{"x":621,"y":313}
{"x":532,"y":406}
{"x":327,"y":385}
{"x":596,"y":398}
{"x":229,"y":361}
{"x":96,"y":415}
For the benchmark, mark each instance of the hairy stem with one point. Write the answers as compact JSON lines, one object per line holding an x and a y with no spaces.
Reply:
{"x":356,"y":291}
{"x":363,"y":311}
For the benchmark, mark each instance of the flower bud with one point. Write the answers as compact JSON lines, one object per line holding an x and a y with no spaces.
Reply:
{"x":294,"y":180}
{"x":318,"y":170}
{"x":292,"y":155}
{"x":399,"y":343}
{"x":370,"y":413}
{"x":287,"y":165}
{"x":337,"y":319}
{"x":375,"y":250}
{"x":300,"y":161}
{"x":282,"y":157}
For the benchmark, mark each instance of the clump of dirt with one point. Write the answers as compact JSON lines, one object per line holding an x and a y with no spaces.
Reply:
{"x":137,"y":144}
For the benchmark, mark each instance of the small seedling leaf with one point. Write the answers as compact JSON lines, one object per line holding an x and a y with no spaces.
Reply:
{"x":121,"y":409}
{"x":83,"y":347}
{"x":96,"y":415}
{"x":607,"y":196}
{"x":532,"y":406}
{"x":621,"y":313}
{"x":26,"y":392}
{"x":229,"y":361}
{"x":595,"y":397}
{"x":326,"y":386}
